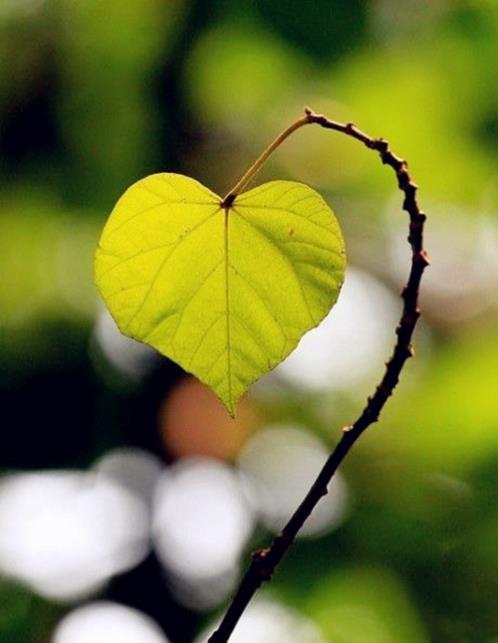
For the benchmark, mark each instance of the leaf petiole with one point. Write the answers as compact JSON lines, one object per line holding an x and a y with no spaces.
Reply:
{"x":258,"y":163}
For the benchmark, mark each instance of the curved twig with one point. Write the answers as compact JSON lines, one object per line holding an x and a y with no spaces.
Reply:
{"x":264,"y":561}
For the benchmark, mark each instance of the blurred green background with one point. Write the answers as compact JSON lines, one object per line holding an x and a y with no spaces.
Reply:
{"x":129,"y":502}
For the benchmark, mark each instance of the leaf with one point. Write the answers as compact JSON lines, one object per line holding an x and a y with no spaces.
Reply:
{"x":227,"y":294}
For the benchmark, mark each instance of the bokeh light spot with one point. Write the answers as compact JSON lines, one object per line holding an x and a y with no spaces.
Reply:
{"x":65,"y":533}
{"x":202,"y":521}
{"x":127,"y":356}
{"x":106,"y":622}
{"x":280,"y":464}
{"x":193,"y":421}
{"x":268,"y":621}
{"x":350,"y":343}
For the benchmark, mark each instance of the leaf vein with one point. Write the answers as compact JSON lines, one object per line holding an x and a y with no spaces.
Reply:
{"x":288,"y":211}
{"x":163,"y":204}
{"x":203,"y":337}
{"x":192,"y":296}
{"x":246,"y":280}
{"x":163,"y":264}
{"x":277,"y":247}
{"x":130,"y":257}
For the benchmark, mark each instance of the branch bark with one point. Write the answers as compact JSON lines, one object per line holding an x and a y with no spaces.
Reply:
{"x":264,"y":561}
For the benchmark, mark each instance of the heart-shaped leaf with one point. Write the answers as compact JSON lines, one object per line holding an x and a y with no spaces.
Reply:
{"x":225,"y":293}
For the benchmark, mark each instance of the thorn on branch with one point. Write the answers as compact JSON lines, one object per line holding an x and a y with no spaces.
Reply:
{"x":410,"y":318}
{"x":403,"y":178}
{"x":409,"y":351}
{"x":421,"y":257}
{"x":385,"y":391}
{"x":259,"y":558}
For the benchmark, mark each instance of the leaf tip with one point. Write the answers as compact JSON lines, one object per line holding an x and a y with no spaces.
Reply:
{"x":230,"y":407}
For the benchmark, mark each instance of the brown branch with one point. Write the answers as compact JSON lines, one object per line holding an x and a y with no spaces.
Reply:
{"x":265,"y":561}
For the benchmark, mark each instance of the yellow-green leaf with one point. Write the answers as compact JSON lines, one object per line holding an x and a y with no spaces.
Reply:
{"x":227,"y":294}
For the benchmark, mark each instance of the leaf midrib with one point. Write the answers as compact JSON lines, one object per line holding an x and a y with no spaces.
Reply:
{"x":227,"y":309}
